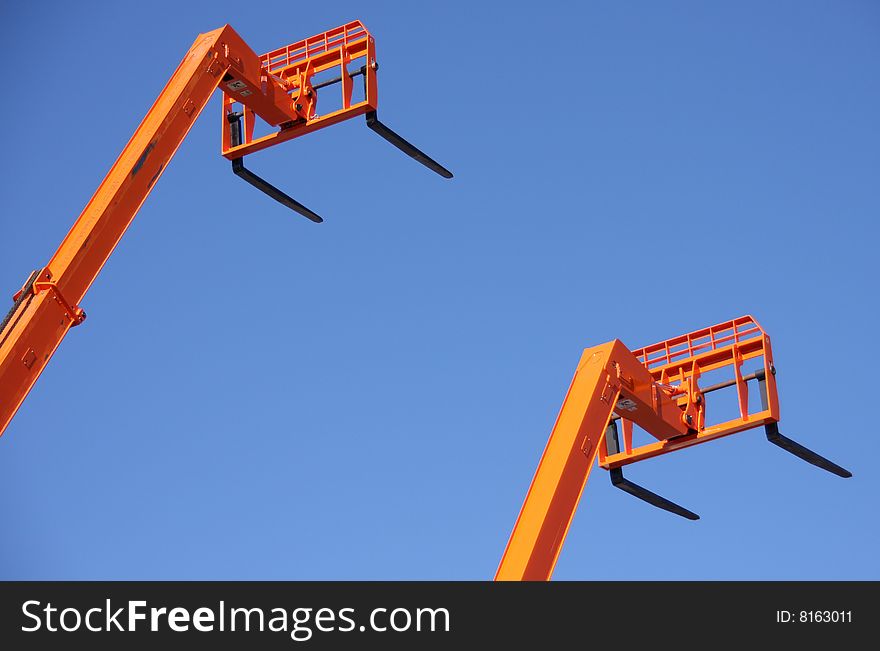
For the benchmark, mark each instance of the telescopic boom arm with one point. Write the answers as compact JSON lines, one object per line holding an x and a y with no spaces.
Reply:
{"x":276,"y":87}
{"x":656,"y":388}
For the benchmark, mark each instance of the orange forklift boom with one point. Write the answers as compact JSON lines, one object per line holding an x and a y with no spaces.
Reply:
{"x":656,"y":388}
{"x":276,"y":87}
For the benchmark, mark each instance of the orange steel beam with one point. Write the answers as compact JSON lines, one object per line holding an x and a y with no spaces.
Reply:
{"x":605,"y":375}
{"x":43,"y":318}
{"x":48,"y":305}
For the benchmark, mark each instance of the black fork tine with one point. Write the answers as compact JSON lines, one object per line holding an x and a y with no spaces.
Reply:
{"x":612,"y":443}
{"x":281,"y":197}
{"x":257,"y":181}
{"x":795,"y":448}
{"x":618,"y":480}
{"x":798,"y":450}
{"x":405,"y":146}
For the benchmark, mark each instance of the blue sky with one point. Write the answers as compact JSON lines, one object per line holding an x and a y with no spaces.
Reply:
{"x":257,"y":397}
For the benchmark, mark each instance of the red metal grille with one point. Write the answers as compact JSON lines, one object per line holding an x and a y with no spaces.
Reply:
{"x":699,"y":342}
{"x":277,"y":60}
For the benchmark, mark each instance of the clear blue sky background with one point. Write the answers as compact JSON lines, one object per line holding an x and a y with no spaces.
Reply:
{"x":258,"y":397}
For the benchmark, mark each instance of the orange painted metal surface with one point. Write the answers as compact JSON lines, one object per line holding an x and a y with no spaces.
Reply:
{"x":657,"y":388}
{"x":683,"y":359}
{"x":342,"y":51}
